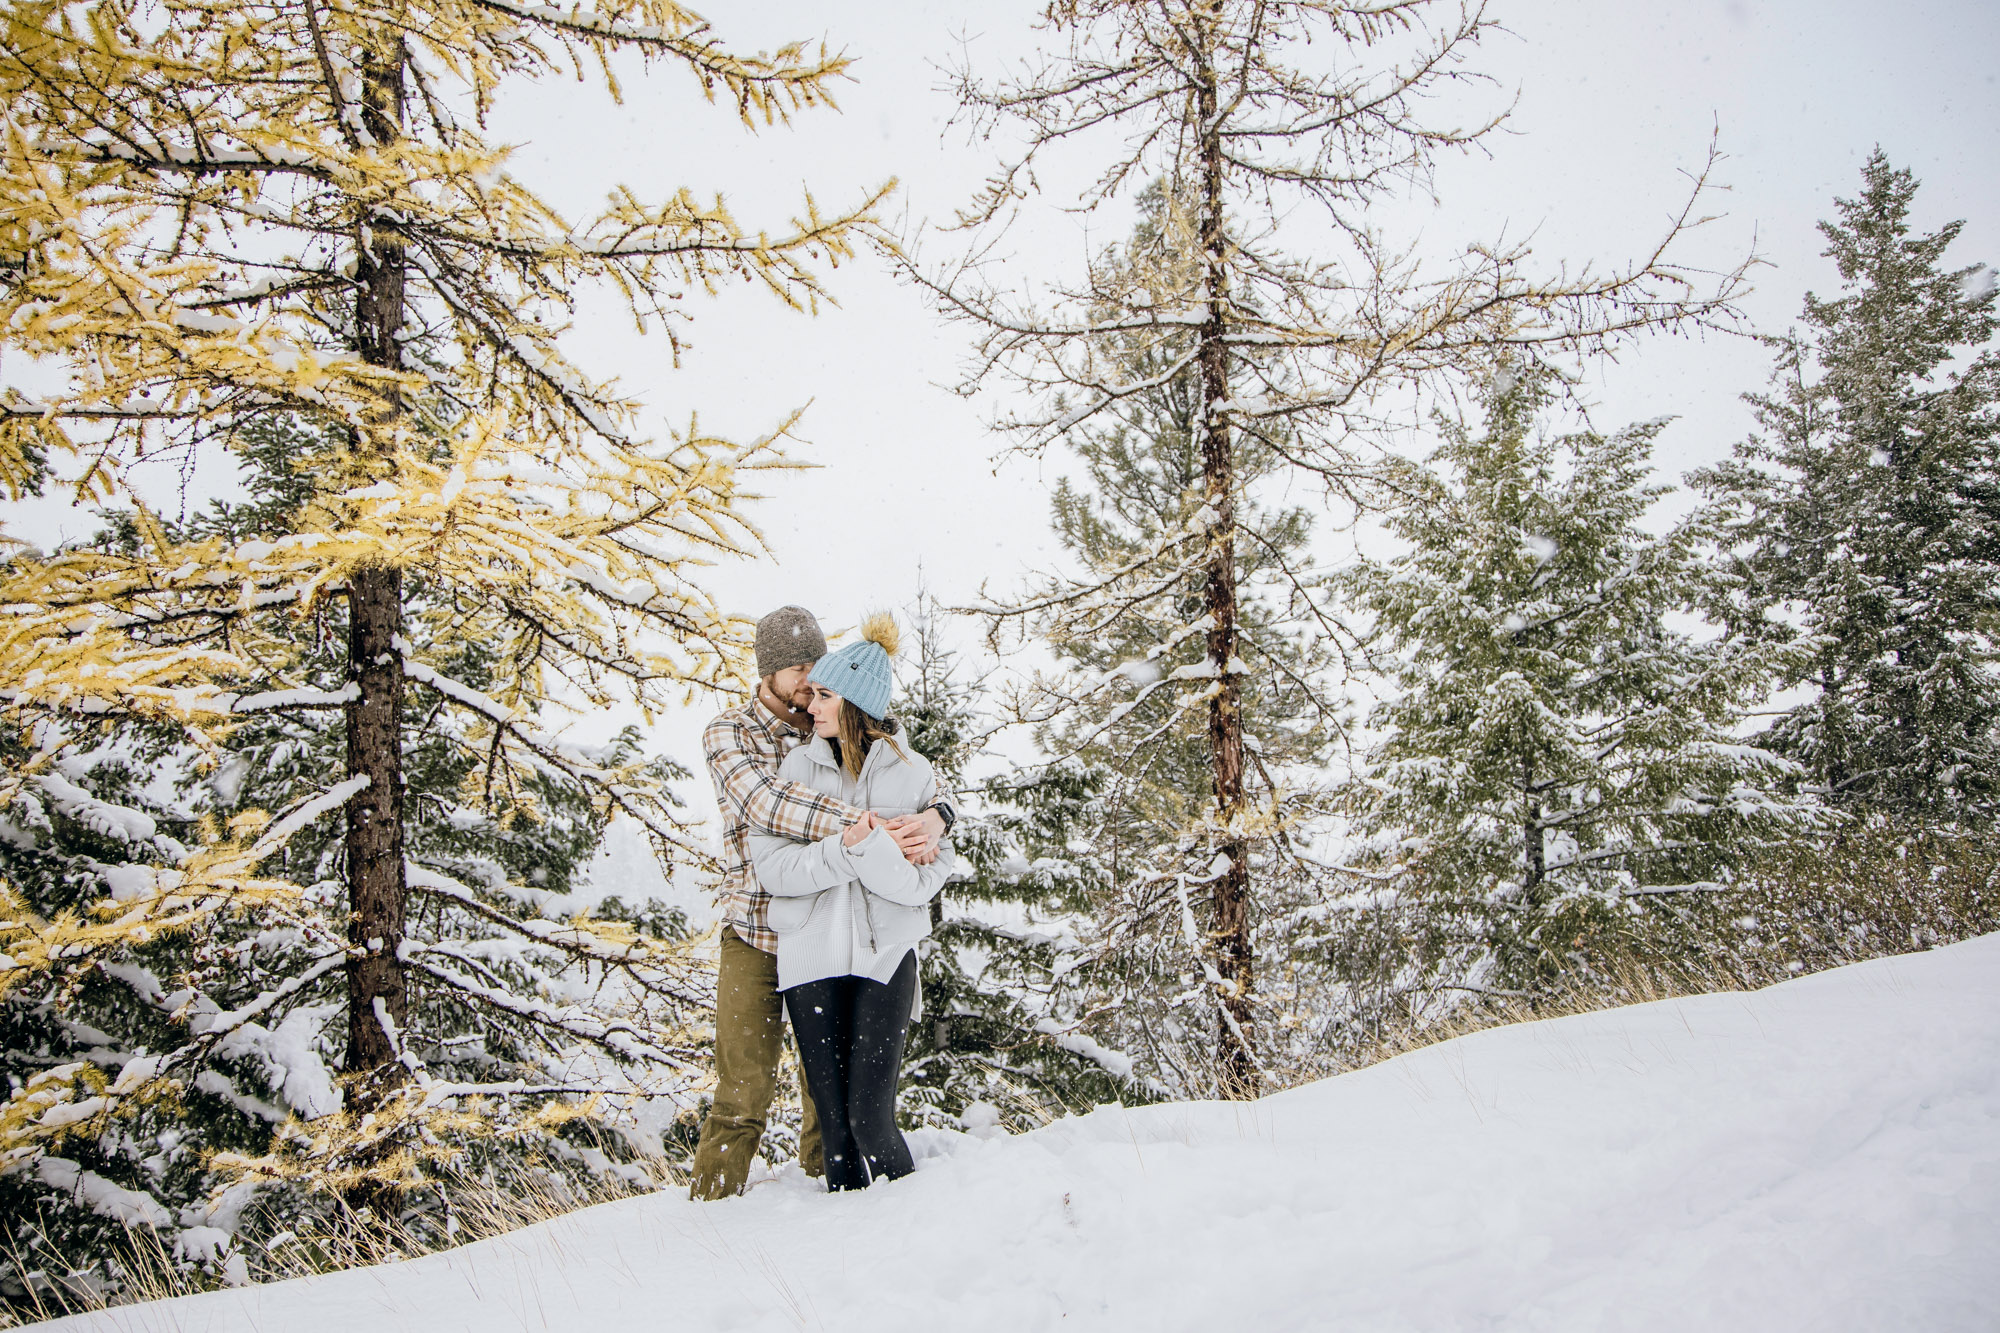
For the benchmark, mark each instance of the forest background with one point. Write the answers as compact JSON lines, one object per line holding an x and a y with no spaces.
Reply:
{"x":1611,"y":105}
{"x":1611,"y":112}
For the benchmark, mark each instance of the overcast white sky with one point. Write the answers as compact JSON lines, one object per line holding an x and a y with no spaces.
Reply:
{"x":1615,"y":102}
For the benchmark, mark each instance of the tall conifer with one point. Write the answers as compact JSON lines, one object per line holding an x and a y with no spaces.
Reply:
{"x":492,"y":870}
{"x":222,"y":214}
{"x":1865,"y":514}
{"x":1125,"y":718}
{"x":1274,"y":125}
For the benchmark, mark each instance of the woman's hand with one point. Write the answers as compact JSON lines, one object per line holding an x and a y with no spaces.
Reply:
{"x":852,"y":835}
{"x":917,"y":835}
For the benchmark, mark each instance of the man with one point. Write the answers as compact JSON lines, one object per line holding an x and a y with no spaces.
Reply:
{"x":744,"y":747}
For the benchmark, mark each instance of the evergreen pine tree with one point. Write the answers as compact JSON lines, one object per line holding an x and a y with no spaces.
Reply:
{"x":1557,"y":756}
{"x":1256,"y":115}
{"x":491,"y":867}
{"x":1865,"y":516}
{"x":1004,"y":971}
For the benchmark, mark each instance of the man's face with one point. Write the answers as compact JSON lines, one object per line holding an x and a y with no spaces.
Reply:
{"x":790,"y":685}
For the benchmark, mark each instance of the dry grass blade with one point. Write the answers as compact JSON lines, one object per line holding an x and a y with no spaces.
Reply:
{"x":147,"y":1271}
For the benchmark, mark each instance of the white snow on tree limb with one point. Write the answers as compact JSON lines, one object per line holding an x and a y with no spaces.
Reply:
{"x":1115,"y":1063}
{"x":300,"y":698}
{"x":113,"y":821}
{"x":131,"y":1207}
{"x":297,"y":818}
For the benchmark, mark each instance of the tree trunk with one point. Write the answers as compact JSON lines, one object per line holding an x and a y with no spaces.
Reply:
{"x":1236,"y":1061}
{"x":1520,"y":941}
{"x":377,"y":894}
{"x":1835,"y":744}
{"x":1534,"y":865}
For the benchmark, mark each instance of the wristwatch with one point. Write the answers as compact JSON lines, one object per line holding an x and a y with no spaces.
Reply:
{"x":945,"y":813}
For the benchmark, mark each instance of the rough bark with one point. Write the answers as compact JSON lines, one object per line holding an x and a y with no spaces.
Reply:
{"x":1534,"y":866}
{"x":1236,"y":1061}
{"x":377,"y":893}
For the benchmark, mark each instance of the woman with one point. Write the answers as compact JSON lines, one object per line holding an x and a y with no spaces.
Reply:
{"x":848,"y":911}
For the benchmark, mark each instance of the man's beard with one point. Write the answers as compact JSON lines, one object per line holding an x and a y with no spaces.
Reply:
{"x":795,"y":713}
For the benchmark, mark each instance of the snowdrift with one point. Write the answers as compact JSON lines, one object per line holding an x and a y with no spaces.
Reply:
{"x":1822,"y":1155}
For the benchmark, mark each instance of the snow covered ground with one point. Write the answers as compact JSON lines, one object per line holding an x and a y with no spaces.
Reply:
{"x":1823,"y":1155}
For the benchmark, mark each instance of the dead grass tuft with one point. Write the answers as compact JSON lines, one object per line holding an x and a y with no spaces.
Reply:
{"x":465,"y":1211}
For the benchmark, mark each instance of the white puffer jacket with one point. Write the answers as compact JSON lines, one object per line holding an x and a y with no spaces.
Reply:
{"x":850,"y":911}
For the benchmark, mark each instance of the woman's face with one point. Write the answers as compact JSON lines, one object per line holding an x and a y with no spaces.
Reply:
{"x":825,"y":710}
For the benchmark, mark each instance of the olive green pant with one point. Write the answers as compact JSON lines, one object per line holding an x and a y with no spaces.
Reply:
{"x":749,"y":1035}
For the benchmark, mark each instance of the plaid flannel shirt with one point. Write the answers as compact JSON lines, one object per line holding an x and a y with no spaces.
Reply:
{"x":744,"y":747}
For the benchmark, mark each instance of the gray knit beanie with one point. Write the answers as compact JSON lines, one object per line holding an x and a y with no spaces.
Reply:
{"x":788,"y":637}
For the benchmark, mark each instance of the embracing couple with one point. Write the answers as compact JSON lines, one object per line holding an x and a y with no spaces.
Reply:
{"x":833,"y":831}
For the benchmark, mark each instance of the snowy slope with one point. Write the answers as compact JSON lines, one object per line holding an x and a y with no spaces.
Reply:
{"x":1823,"y":1155}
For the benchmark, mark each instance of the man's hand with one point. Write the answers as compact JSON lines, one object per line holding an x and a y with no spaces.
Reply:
{"x":916,"y":835}
{"x":852,"y":835}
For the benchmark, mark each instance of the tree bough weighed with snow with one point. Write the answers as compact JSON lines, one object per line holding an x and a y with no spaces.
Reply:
{"x":1556,"y":754}
{"x":1304,"y":338}
{"x":1867,"y":514}
{"x":221,"y":215}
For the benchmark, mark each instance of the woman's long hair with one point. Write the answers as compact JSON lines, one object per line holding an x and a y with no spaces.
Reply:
{"x":858,"y":731}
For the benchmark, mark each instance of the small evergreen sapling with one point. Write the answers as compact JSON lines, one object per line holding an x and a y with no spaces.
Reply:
{"x":1004,"y":970}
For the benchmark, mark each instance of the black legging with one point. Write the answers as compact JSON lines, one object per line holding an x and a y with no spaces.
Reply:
{"x":850,"y":1033}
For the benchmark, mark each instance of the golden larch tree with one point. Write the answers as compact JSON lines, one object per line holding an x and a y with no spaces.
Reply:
{"x":217,"y":214}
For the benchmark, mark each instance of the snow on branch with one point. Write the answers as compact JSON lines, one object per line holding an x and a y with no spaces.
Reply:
{"x":272,"y":700}
{"x":1115,"y":1063}
{"x":571,"y":760}
{"x":213,"y":1026}
{"x":113,"y":821}
{"x":639,"y":958}
{"x":281,"y":830}
{"x":616,"y":1036}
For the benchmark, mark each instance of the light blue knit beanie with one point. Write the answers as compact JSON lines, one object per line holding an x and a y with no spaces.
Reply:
{"x":859,"y":672}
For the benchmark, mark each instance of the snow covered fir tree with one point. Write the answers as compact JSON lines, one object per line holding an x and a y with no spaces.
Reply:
{"x":491,"y":867}
{"x":1557,"y":758}
{"x":1865,"y":516}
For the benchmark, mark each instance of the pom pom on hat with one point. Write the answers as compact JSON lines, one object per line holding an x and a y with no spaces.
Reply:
{"x":859,"y":672}
{"x":880,"y":627}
